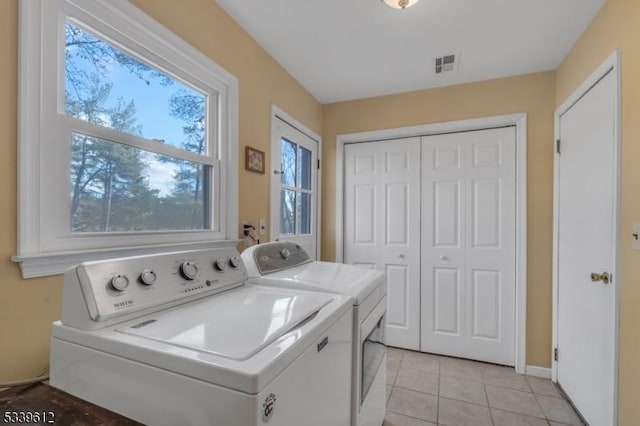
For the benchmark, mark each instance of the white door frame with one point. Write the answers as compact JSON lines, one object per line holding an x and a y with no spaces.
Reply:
{"x":517,"y":120}
{"x":611,"y":64}
{"x":278,"y":113}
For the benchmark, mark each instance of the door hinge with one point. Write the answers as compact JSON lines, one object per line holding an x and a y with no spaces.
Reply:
{"x":318,"y":164}
{"x":558,"y":146}
{"x":555,"y":354}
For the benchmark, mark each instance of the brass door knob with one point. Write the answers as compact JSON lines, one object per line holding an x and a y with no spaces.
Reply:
{"x":604,"y":277}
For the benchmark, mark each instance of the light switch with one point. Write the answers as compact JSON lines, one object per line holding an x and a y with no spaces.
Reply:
{"x":636,"y":236}
{"x":263,"y":227}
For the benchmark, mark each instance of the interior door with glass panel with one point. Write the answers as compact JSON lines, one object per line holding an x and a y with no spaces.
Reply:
{"x":294,"y":183}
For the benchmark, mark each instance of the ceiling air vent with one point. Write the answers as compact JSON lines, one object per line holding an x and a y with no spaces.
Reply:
{"x":446,"y":63}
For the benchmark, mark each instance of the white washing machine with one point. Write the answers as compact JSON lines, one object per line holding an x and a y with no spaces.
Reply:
{"x":179,"y":339}
{"x":286,"y":264}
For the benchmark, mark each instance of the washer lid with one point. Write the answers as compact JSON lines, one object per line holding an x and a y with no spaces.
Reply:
{"x":234,"y":324}
{"x":329,"y":277}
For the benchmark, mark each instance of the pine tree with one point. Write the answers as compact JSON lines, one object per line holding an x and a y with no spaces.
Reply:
{"x":109,"y":181}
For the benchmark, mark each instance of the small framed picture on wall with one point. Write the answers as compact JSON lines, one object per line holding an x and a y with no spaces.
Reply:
{"x":254,"y":160}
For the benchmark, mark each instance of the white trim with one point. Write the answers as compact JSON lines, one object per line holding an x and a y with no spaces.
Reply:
{"x":37,"y":252}
{"x":29,"y":96}
{"x":535,"y":371}
{"x":277,"y":112}
{"x":229,"y":173}
{"x":611,"y":64}
{"x":521,"y":244}
{"x":517,"y":120}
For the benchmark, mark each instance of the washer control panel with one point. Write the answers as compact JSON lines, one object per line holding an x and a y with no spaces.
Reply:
{"x":276,"y":256}
{"x":117,"y":287}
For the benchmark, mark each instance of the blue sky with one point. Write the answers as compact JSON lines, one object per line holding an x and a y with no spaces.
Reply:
{"x":152,"y":105}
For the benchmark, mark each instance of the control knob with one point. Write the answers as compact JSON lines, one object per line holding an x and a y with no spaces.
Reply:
{"x":119,"y":282}
{"x":235,"y":261}
{"x":285,"y":253}
{"x":148,"y":277}
{"x":220,"y":264}
{"x":188,"y":270}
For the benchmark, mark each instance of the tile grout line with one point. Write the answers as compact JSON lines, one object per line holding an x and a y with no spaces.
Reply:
{"x":535,"y":398}
{"x":417,"y":418}
{"x":483,"y":375}
{"x":509,"y":411}
{"x":486,"y":397}
{"x":438,"y":400}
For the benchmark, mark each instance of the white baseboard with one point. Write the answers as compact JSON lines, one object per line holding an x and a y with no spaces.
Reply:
{"x":542,"y":372}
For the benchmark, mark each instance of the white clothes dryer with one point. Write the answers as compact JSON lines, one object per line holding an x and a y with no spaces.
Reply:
{"x":286,"y":264}
{"x":179,"y":339}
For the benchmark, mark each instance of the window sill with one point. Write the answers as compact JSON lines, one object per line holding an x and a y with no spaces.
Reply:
{"x":42,"y":265}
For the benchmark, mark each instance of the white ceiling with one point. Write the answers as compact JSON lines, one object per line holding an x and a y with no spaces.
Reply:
{"x":351,"y":49}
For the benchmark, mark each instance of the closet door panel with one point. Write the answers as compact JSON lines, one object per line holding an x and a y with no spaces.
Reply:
{"x":382,"y":222}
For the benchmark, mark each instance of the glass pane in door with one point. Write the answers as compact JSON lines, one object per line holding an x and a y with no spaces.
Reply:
{"x":287,"y":212}
{"x":304,"y":172}
{"x":288,"y":162}
{"x":303,"y":213}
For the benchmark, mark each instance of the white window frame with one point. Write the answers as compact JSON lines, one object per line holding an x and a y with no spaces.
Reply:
{"x":46,"y":245}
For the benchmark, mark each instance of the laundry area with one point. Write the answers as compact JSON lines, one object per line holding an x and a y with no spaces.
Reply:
{"x":320,"y":213}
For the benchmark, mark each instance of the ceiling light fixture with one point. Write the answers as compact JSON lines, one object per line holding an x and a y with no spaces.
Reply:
{"x":400,"y":4}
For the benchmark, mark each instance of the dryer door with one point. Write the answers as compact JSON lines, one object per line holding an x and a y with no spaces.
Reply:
{"x":373,"y":352}
{"x":369,"y":405}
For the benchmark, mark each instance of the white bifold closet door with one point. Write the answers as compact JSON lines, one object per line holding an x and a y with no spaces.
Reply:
{"x":468,"y":245}
{"x":382,"y":226}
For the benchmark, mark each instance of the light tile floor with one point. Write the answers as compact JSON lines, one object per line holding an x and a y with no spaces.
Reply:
{"x":425,"y":390}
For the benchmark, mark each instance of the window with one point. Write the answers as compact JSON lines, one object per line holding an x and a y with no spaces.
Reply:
{"x":116,"y":187}
{"x":127,"y":136}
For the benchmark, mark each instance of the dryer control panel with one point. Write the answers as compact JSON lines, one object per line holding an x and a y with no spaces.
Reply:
{"x":279,"y":255}
{"x":116,"y":288}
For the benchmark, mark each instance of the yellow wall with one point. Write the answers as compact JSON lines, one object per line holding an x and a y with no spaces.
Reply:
{"x":533,"y":94}
{"x":617,"y":26}
{"x":27,"y":307}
